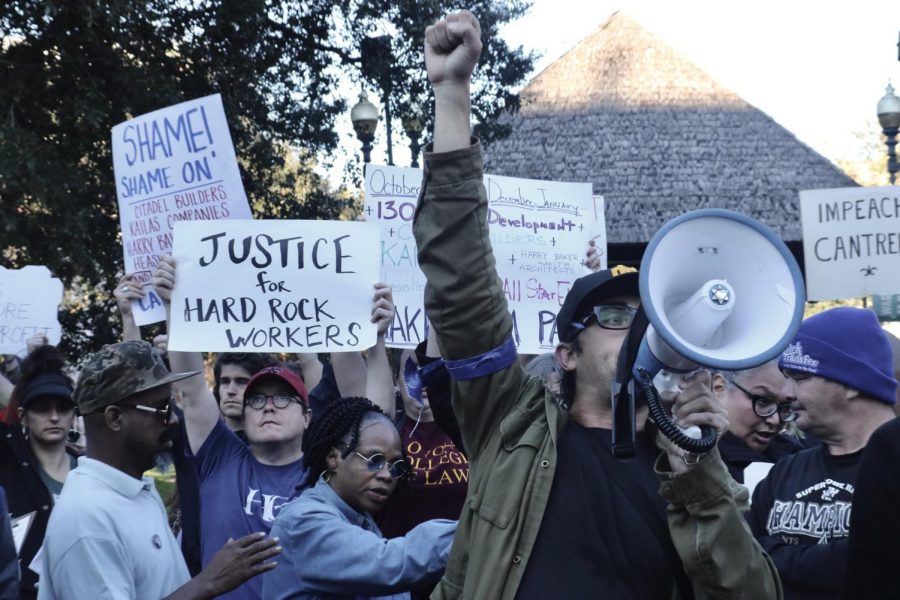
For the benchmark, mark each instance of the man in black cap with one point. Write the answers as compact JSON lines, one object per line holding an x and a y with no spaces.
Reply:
{"x":108,"y":536}
{"x":550,"y":513}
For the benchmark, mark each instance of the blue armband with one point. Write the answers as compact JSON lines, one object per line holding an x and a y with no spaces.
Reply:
{"x":493,"y":360}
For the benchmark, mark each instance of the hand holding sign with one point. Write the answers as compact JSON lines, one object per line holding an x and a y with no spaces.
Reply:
{"x":164,"y":278}
{"x":128,"y":289}
{"x":383,"y":307}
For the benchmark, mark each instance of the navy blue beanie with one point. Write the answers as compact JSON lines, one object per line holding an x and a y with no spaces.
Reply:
{"x":848,"y":346}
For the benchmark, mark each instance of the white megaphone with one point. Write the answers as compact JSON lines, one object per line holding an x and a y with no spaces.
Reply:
{"x":721,"y":291}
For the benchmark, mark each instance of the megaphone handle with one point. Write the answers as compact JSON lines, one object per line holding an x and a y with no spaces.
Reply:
{"x":664,"y":422}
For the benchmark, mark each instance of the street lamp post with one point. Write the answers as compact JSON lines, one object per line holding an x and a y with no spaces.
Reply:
{"x":413,"y":126}
{"x":889,"y":117}
{"x":364,"y":116}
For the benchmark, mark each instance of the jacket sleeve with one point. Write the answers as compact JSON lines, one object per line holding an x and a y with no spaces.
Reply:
{"x":334,"y":556}
{"x":810,"y":567}
{"x":463,"y":297}
{"x":706,"y":522}
{"x":9,"y":561}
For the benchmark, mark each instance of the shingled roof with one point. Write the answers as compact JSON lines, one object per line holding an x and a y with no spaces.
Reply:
{"x":657,"y":137}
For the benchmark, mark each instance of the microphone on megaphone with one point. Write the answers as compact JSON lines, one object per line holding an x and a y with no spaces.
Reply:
{"x":720,"y":291}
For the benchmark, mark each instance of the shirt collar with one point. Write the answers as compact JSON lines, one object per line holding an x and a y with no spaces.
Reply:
{"x":364,"y":520}
{"x":113,"y":478}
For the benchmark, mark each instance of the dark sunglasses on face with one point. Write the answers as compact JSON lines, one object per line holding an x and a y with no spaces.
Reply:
{"x":258,"y":401}
{"x":765,"y":407}
{"x":397,"y":469}
{"x":609,"y":316}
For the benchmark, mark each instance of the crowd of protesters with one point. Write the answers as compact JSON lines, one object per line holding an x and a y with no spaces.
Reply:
{"x":449,"y":470}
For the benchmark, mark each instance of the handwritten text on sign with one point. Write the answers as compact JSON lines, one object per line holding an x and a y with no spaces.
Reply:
{"x":29,"y":306}
{"x":174,"y":164}
{"x":851,"y":241}
{"x":274,"y":286}
{"x":539,"y":231}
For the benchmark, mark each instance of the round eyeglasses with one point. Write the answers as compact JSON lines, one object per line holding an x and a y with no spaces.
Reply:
{"x":397,"y":469}
{"x":765,"y":407}
{"x":258,"y":401}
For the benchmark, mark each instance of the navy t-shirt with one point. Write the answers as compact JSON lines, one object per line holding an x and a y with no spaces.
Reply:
{"x":239,"y":496}
{"x":604,"y":531}
{"x":801,"y":516}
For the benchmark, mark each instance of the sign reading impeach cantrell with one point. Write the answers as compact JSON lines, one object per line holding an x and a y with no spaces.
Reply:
{"x":539,"y":232}
{"x":851,"y":241}
{"x":274,"y":286}
{"x":173,"y":164}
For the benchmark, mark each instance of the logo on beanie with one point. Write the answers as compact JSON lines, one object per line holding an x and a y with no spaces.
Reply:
{"x":794,"y":358}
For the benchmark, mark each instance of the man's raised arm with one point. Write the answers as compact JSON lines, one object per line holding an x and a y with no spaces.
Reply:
{"x":464,"y":297}
{"x":201,"y":411}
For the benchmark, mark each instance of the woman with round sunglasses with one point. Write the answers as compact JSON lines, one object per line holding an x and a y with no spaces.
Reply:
{"x":331,"y":545}
{"x":757,"y":418}
{"x":35,"y":459}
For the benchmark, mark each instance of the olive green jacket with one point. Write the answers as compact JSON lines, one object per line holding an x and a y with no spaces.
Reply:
{"x":510,"y":424}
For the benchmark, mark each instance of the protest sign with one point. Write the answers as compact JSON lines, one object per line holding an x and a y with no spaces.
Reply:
{"x":29,"y":306}
{"x":539,"y":232}
{"x":174,"y":164}
{"x":851,"y":241}
{"x":273,"y":286}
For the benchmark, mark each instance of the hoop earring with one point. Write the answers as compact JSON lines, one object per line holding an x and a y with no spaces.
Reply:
{"x":326,"y":475}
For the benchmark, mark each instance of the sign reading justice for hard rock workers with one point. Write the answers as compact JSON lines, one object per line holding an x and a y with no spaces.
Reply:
{"x":851,"y":241}
{"x":539,"y":231}
{"x":273,"y":286}
{"x":174,"y":164}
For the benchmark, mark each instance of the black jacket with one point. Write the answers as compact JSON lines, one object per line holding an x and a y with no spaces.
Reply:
{"x":25,"y":493}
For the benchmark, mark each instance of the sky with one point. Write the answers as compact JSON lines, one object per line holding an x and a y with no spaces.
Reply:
{"x":817,"y":68}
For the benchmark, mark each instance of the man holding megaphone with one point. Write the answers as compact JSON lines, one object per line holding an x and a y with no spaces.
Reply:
{"x":550,"y":513}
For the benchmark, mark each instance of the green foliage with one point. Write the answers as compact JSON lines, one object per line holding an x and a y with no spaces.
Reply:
{"x":70,"y":70}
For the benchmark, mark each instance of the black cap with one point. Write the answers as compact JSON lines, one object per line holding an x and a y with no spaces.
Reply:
{"x":48,"y":384}
{"x":590,"y":290}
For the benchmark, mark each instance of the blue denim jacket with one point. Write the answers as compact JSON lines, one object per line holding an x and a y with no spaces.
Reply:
{"x":330,"y":551}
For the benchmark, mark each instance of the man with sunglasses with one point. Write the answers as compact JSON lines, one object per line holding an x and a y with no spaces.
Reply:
{"x":839,"y":380}
{"x":550,"y":513}
{"x":108,"y":535}
{"x":757,"y":417}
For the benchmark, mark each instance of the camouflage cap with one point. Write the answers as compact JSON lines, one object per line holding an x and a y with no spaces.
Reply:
{"x":118,"y":371}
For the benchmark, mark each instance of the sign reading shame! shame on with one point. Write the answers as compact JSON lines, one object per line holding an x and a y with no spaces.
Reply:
{"x":174,"y":164}
{"x":274,"y":286}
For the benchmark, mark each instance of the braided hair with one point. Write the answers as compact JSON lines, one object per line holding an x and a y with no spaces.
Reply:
{"x":340,"y":419}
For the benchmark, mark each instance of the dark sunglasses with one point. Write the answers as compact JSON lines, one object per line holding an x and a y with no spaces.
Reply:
{"x":765,"y":407}
{"x":397,"y":469}
{"x":609,"y":316}
{"x":258,"y":401}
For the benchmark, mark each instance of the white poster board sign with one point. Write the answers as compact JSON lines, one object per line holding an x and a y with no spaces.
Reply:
{"x":851,"y":241}
{"x":539,"y":232}
{"x":173,"y":164}
{"x":29,"y":306}
{"x":274,"y":286}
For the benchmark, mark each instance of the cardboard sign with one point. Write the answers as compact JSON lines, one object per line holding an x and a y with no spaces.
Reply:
{"x":29,"y":306}
{"x":539,"y":232}
{"x":274,"y":286}
{"x":174,"y":164}
{"x":851,"y":241}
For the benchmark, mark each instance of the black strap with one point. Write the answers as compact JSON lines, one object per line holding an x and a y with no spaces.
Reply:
{"x":655,"y":521}
{"x":623,"y":388}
